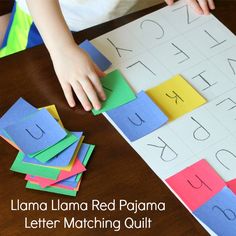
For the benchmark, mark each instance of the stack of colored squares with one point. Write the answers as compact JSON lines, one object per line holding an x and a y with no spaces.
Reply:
{"x":52,"y":157}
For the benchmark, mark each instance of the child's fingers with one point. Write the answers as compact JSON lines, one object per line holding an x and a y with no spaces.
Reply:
{"x":211,"y":4}
{"x":203,"y":4}
{"x":194,"y":4}
{"x":99,"y":72}
{"x":97,"y":85}
{"x":81,"y":96}
{"x":68,"y":94}
{"x":169,"y":2}
{"x":91,"y":93}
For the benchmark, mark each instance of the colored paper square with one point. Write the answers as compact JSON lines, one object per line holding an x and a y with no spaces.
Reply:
{"x":117,"y":91}
{"x":52,"y":151}
{"x":53,"y":111}
{"x":60,"y":160}
{"x":196,"y":184}
{"x":99,"y":59}
{"x":37,"y":170}
{"x":232,"y":185}
{"x":36,"y":133}
{"x":16,"y":112}
{"x":138,"y":117}
{"x":219,"y":213}
{"x":51,"y":189}
{"x":84,"y":156}
{"x":44,"y":182}
{"x":176,"y":97}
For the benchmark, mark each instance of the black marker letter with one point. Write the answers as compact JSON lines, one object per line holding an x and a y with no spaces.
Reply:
{"x":201,"y":130}
{"x":208,"y":84}
{"x":33,"y":136}
{"x":228,"y":213}
{"x":230,"y":61}
{"x":141,"y":121}
{"x":162,"y":32}
{"x":117,"y":48}
{"x":214,"y":39}
{"x":107,"y":89}
{"x":201,"y":184}
{"x":176,"y":97}
{"x":228,"y":100}
{"x":165,"y":148}
{"x":224,"y":151}
{"x":141,"y":63}
{"x":180,"y":51}
{"x":189,"y":21}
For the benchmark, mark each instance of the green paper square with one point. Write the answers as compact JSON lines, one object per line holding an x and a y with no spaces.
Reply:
{"x":86,"y":159}
{"x":117,"y":90}
{"x":51,"y":189}
{"x":32,"y":169}
{"x":49,"y":153}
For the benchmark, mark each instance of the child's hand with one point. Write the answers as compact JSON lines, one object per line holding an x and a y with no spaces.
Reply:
{"x":200,"y":6}
{"x":75,"y":70}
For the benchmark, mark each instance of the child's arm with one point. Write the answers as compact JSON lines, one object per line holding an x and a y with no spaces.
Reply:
{"x":200,"y":6}
{"x":74,"y":68}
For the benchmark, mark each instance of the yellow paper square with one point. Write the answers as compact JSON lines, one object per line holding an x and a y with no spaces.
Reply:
{"x":176,"y":97}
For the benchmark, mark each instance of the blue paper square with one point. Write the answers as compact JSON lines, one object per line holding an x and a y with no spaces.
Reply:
{"x":37,"y":132}
{"x":219,"y":213}
{"x":138,"y":117}
{"x":62,"y":159}
{"x":99,"y":59}
{"x":17,"y":111}
{"x":72,"y":180}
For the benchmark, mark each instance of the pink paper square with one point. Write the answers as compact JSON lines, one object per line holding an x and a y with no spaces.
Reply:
{"x":232,"y":185}
{"x":196,"y":184}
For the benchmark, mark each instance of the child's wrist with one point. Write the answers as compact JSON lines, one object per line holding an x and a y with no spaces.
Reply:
{"x":59,"y":47}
